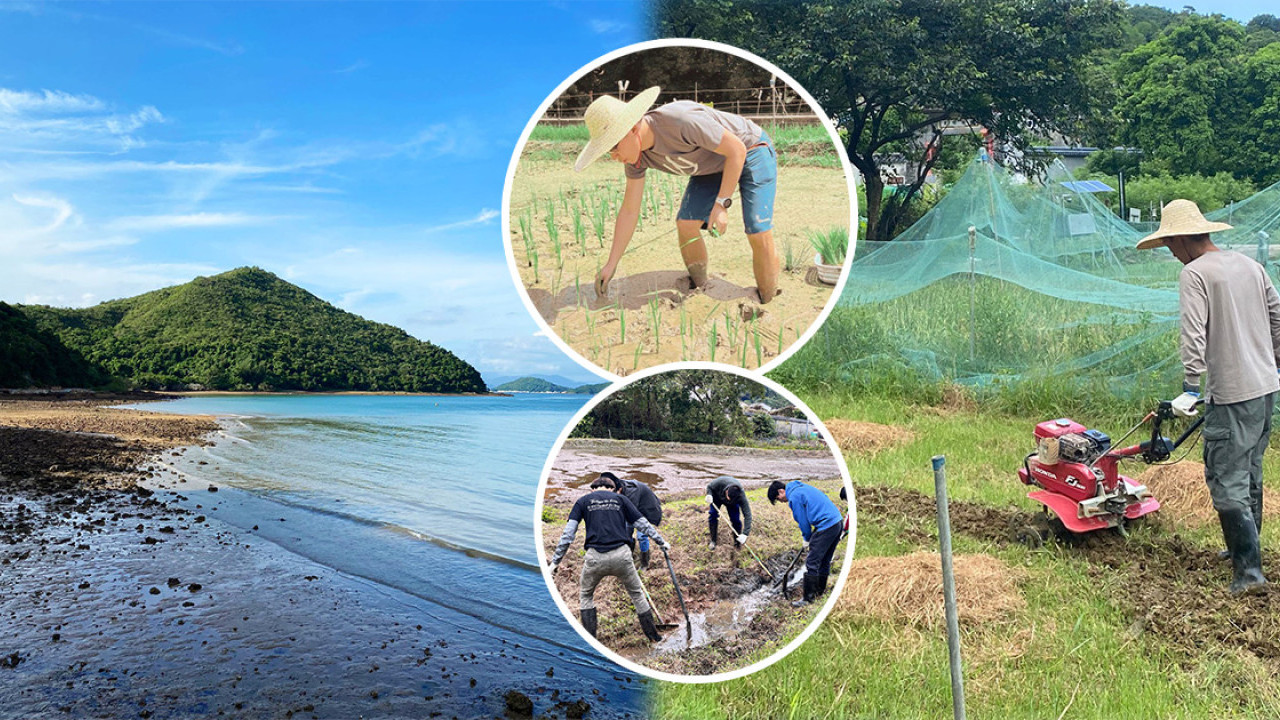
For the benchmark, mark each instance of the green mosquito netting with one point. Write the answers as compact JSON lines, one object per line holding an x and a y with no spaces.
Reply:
{"x":1007,"y":280}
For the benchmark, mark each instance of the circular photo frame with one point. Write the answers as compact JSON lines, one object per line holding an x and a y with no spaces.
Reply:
{"x":649,"y":264}
{"x":723,"y":584}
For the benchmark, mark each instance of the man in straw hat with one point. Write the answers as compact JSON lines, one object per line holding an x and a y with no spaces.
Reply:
{"x":1231,"y":332}
{"x":719,"y":151}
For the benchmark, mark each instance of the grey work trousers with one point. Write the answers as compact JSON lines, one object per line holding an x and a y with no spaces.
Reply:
{"x":1235,"y":437}
{"x":596,"y":566}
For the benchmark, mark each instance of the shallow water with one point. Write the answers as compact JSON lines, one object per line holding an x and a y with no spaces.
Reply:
{"x":424,"y":507}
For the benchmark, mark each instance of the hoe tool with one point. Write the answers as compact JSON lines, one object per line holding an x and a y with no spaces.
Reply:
{"x":660,"y":624}
{"x":688,"y":624}
{"x":1075,"y":471}
{"x":782,"y":584}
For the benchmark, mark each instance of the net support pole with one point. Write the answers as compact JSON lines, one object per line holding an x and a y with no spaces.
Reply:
{"x":949,"y":587}
{"x":973,"y":248}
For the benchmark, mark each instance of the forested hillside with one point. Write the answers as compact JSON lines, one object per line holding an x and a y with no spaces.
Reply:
{"x":249,"y":330}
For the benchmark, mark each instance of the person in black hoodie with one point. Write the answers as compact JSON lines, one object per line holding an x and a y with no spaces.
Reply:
{"x":646,"y":502}
{"x":609,"y":517}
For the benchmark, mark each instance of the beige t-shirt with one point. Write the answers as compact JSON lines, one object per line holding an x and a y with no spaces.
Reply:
{"x":1230,"y":326}
{"x":685,"y":136}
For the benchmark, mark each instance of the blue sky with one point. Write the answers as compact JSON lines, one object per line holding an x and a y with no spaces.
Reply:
{"x":1242,"y":10}
{"x":356,"y":150}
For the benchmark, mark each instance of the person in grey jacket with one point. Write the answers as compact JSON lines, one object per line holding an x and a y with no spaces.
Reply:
{"x":609,"y":517}
{"x":646,"y":501}
{"x":1230,"y":341}
{"x":727,"y":492}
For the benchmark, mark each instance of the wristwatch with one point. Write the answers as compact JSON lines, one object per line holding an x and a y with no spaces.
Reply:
{"x":724,"y":202}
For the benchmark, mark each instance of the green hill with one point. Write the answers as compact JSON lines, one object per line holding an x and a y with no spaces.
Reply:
{"x":249,"y":330}
{"x":589,"y":389}
{"x":531,"y":384}
{"x":32,"y":357}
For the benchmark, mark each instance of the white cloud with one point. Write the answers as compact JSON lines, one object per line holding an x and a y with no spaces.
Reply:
{"x":600,"y":26}
{"x":145,"y":223}
{"x":13,"y":102}
{"x":486,"y":216}
{"x":62,"y":210}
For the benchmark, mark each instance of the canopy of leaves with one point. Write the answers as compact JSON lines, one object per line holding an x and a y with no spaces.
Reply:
{"x":700,"y":406}
{"x":32,"y":357}
{"x":249,"y":330}
{"x":891,"y":72}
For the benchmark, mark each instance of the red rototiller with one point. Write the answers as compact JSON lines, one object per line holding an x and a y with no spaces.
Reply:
{"x":1076,"y":471}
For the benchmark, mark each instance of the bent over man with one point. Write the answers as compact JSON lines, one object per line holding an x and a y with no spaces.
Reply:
{"x":727,"y":492}
{"x":608,"y":516}
{"x":1230,"y":339}
{"x":646,"y":501}
{"x":821,"y":525}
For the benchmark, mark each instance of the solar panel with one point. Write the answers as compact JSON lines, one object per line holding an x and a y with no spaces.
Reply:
{"x":1088,"y":186}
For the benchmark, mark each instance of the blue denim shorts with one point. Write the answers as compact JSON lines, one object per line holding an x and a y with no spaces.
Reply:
{"x":757,"y":187}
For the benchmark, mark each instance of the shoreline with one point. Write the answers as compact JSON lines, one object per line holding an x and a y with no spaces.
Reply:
{"x":130,"y":601}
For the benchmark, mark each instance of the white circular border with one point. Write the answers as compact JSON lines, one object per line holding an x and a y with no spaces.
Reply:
{"x":849,"y":175}
{"x":569,"y":614}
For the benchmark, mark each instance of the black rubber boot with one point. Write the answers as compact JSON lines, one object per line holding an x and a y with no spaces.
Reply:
{"x":644,"y":559}
{"x":1246,"y":558}
{"x":588,"y":620}
{"x":713,"y":524}
{"x":646,"y":624}
{"x":810,"y":584}
{"x":821,"y":584}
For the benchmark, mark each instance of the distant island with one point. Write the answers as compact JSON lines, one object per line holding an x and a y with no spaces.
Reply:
{"x":243,"y":330}
{"x":538,"y":385}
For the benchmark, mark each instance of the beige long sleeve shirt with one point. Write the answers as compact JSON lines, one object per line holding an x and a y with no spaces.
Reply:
{"x":1230,"y":327}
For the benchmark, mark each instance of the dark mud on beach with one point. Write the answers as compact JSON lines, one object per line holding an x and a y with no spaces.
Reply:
{"x":119,"y":601}
{"x":1169,"y":587}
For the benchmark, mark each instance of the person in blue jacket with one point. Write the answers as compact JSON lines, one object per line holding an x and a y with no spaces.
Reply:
{"x":820,"y":523}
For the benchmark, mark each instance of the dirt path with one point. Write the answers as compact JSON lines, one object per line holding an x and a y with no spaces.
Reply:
{"x":678,"y":469}
{"x":651,"y":314}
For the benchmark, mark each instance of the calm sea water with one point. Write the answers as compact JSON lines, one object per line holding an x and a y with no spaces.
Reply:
{"x":428,"y":497}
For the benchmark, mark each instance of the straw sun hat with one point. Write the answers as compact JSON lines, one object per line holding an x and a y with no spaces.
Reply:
{"x":1180,"y":217}
{"x":609,"y":120}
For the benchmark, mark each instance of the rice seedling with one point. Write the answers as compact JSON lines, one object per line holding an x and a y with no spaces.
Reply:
{"x":554,"y":232}
{"x":712,"y":341}
{"x":598,"y":216}
{"x":831,"y":245}
{"x":534,"y":256}
{"x":526,"y":232}
{"x":655,"y":317}
{"x":580,"y":233}
{"x":755,"y":332}
{"x":788,"y":255}
{"x":635,"y":363}
{"x":622,"y":321}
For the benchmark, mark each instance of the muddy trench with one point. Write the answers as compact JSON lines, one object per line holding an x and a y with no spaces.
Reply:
{"x":1167,"y":586}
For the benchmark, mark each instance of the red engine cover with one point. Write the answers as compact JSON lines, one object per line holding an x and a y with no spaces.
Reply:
{"x":1058,"y":428}
{"x":1074,"y":480}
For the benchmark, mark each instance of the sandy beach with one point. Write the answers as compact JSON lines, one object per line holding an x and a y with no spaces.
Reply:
{"x":122,"y":600}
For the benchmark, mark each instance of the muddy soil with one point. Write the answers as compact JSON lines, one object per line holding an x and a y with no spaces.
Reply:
{"x":679,"y":469}
{"x":737,"y":613}
{"x":1171,"y":588}
{"x":650,"y":313}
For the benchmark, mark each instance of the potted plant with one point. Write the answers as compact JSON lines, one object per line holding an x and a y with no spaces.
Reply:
{"x":831,"y":246}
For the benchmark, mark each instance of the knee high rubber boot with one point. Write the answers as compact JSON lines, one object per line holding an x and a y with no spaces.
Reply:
{"x":821,"y":585}
{"x":588,"y":620}
{"x":644,"y":559}
{"x":1246,"y":558}
{"x":713,"y":524}
{"x":810,"y":584}
{"x":646,"y":624}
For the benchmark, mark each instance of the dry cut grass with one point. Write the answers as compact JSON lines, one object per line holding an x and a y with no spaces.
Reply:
{"x":1184,"y":496}
{"x":854,"y":436}
{"x":907,"y":589}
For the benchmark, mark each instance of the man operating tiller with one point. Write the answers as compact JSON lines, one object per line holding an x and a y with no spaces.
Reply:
{"x":1230,"y":339}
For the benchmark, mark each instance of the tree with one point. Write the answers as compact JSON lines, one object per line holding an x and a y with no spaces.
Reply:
{"x":892,"y":73}
{"x":1201,"y":99}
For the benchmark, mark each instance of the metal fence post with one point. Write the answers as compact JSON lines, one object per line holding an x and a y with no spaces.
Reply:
{"x":949,"y":587}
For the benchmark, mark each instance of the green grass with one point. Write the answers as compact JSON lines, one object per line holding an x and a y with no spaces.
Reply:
{"x":1072,"y":650}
